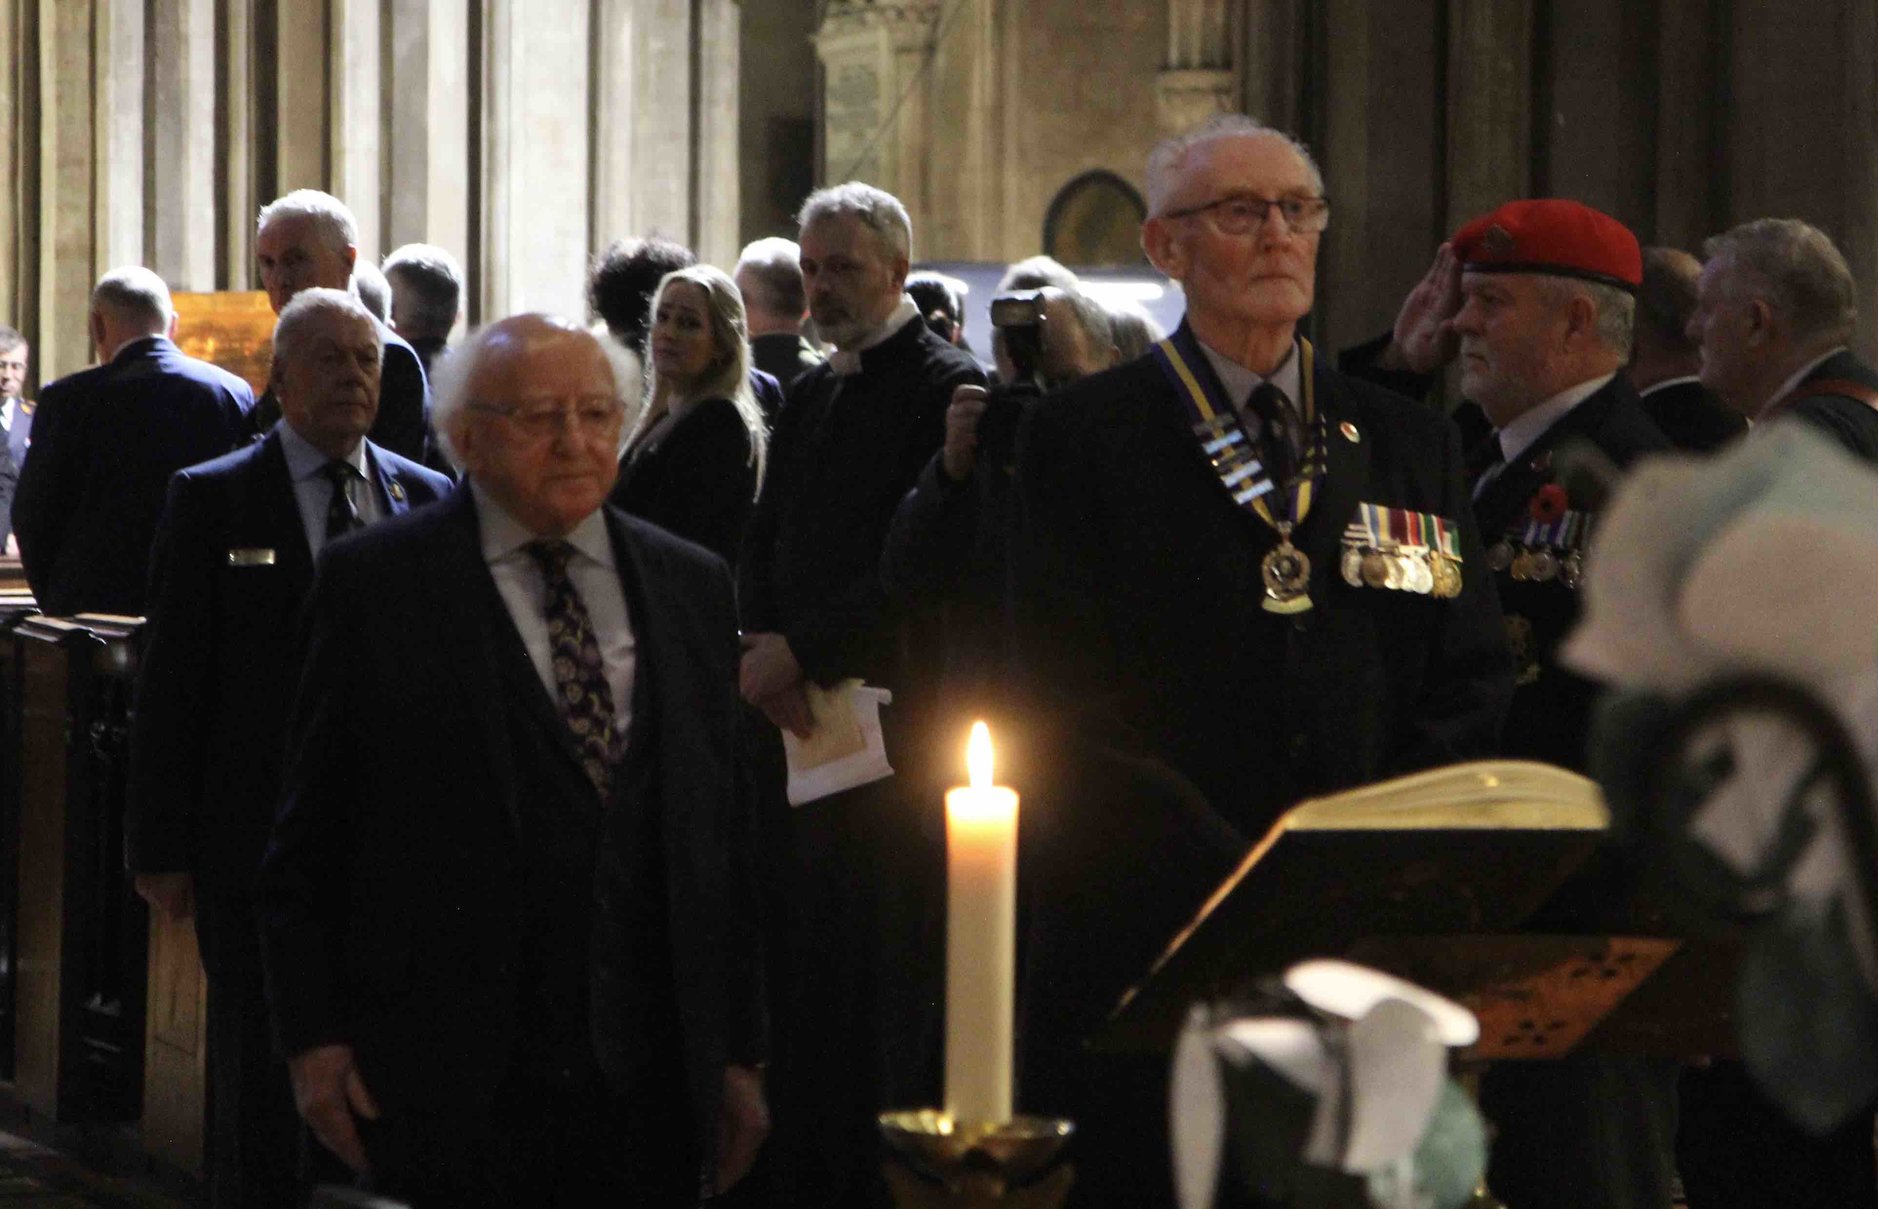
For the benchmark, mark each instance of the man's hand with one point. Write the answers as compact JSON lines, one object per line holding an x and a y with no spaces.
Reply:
{"x":961,"y":448}
{"x":1422,"y":341}
{"x":173,"y":895}
{"x":768,"y":667}
{"x":789,"y":710}
{"x":742,"y":1125}
{"x":328,"y":1092}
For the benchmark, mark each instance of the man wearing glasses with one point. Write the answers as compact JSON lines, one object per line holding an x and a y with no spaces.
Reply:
{"x":503,"y":909}
{"x":1241,"y":579}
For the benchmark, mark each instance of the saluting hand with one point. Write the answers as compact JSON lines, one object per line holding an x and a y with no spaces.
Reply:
{"x":328,"y":1093}
{"x":1422,"y":341}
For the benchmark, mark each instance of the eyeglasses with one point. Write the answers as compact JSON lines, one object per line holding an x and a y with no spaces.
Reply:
{"x":596,"y":415}
{"x":1242,"y":214}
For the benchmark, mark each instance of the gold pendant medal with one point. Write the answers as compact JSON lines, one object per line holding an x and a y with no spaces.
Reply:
{"x":1287,"y":573}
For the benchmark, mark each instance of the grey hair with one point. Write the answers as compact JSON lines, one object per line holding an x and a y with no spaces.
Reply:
{"x":329,"y":216}
{"x":1170,"y":155}
{"x":433,"y":281}
{"x":774,"y":265}
{"x":1135,"y":329}
{"x":1616,"y":307}
{"x":309,"y":306}
{"x":876,"y":209}
{"x":1802,"y":276}
{"x":450,"y":383}
{"x":1093,"y":318}
{"x":372,"y":288}
{"x":730,"y":378}
{"x":1035,"y":272}
{"x":135,"y":294}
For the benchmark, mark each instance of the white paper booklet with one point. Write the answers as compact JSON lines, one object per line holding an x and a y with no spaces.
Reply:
{"x":846,"y":749}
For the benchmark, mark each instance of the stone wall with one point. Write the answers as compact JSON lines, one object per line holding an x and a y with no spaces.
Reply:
{"x":520,"y":134}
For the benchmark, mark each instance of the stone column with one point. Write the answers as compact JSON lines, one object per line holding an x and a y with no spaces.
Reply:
{"x":119,"y":118}
{"x":875,"y":107}
{"x":427,"y":132}
{"x":718,"y":201}
{"x":67,"y":197}
{"x":1489,"y":119}
{"x":1271,"y":65}
{"x":301,"y":111}
{"x":1198,"y":79}
{"x":358,"y":119}
{"x":182,"y":159}
{"x":236,"y":106}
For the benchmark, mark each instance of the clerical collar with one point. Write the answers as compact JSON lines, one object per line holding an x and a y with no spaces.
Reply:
{"x":503,"y":536}
{"x":1666,"y":383}
{"x":1240,"y":382}
{"x":1519,"y":436}
{"x":848,"y":361}
{"x":1800,"y":375}
{"x":304,"y":461}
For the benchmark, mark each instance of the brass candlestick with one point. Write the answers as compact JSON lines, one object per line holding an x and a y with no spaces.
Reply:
{"x":939,"y":1163}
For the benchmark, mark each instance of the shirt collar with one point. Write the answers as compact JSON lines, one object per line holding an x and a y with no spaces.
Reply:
{"x":1240,"y":382}
{"x":1800,"y":375}
{"x":848,"y":361}
{"x":304,"y":461}
{"x":1517,"y":437}
{"x":1666,"y":383}
{"x":503,"y":536}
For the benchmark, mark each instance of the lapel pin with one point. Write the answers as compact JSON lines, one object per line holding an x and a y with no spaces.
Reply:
{"x":1350,"y":433}
{"x":397,"y":490}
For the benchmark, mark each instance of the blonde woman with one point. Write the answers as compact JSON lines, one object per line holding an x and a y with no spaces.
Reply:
{"x":694,"y":461}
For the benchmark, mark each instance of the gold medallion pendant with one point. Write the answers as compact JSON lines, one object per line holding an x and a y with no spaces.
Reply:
{"x":1287,"y":574}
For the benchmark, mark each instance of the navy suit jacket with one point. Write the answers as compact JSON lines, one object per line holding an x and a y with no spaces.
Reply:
{"x":1851,"y":422}
{"x":105,"y":442}
{"x":220,"y":663}
{"x":12,"y":457}
{"x":391,"y":898}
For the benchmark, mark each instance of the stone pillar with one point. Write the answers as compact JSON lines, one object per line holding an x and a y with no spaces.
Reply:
{"x":301,"y":113}
{"x":236,"y":106}
{"x":357,"y":122}
{"x":428,"y":125}
{"x":717,"y":200}
{"x":1489,"y":118}
{"x":119,"y":117}
{"x":182,"y":159}
{"x":874,"y":113}
{"x":1272,"y":68}
{"x":1691,"y":175}
{"x":1197,"y":81}
{"x":67,"y":198}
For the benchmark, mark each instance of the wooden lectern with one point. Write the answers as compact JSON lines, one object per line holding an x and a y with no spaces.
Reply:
{"x":1439,"y":878}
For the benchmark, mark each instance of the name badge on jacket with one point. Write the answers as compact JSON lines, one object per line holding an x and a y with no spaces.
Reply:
{"x":251,"y":556}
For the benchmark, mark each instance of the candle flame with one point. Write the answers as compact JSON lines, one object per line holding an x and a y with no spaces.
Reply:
{"x":978,"y":756}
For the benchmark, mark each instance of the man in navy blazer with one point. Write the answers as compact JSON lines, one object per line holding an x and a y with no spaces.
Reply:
{"x":309,"y":240}
{"x":234,"y":560}
{"x":505,"y":913}
{"x":16,"y":416}
{"x":105,"y":443}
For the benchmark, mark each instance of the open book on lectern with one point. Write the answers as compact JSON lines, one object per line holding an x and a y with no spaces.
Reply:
{"x":1432,"y":877}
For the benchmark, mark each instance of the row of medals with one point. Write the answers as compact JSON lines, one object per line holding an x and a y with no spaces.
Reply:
{"x":1423,"y":571}
{"x":1536,"y":564}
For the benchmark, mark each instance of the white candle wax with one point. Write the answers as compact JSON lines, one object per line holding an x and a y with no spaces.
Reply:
{"x":981,"y":941}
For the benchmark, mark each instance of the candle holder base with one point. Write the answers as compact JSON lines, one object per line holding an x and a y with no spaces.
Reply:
{"x":938,"y":1162}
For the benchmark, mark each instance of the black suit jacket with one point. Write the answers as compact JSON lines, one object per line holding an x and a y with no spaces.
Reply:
{"x":698,"y":480}
{"x":1691,"y":417}
{"x":785,"y":356}
{"x":220,"y":660}
{"x":105,"y":442}
{"x":403,"y":423}
{"x":390,"y":895}
{"x":12,"y":457}
{"x":1851,"y":422}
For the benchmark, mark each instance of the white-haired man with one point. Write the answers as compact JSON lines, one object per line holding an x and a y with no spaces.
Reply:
{"x":105,"y":442}
{"x":1775,"y":308}
{"x":234,"y":560}
{"x":769,"y":276}
{"x":426,"y":297}
{"x":1241,"y":579}
{"x":309,"y":239}
{"x":863,"y":893}
{"x":530,"y":697}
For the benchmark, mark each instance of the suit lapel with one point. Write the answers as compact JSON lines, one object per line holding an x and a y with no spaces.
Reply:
{"x":1506,"y":497}
{"x":1346,"y":470}
{"x":391,"y":491}
{"x":283,"y":506}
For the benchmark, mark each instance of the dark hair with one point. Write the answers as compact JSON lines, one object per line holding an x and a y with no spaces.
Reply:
{"x":620,"y":287}
{"x":1666,"y":298}
{"x":936,"y":296}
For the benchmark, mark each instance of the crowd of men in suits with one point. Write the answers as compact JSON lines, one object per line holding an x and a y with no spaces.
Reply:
{"x":472,"y":781}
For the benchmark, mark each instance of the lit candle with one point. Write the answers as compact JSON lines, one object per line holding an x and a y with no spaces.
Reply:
{"x":981,"y":941}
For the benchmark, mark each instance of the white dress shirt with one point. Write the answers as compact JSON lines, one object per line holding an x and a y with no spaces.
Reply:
{"x":1523,"y":433}
{"x":524,"y":592}
{"x":313,"y":491}
{"x":1240,"y":382}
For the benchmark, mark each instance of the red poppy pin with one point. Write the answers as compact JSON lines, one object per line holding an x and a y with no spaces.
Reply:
{"x":1549,"y":504}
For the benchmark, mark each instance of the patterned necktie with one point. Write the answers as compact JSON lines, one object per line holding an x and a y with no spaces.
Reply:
{"x":342,"y":515}
{"x":1282,"y":438}
{"x":586,"y":700}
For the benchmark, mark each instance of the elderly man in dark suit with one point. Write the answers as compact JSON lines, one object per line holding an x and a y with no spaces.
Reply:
{"x":307,"y":240}
{"x":106,"y":441}
{"x":1775,"y":309}
{"x":1241,"y":579}
{"x":1665,"y":364}
{"x":16,"y":417}
{"x":234,"y":561}
{"x":504,"y":907}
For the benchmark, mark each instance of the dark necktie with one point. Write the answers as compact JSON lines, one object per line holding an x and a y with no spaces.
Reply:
{"x":1281,"y":434}
{"x":342,"y":514}
{"x":585,"y":699}
{"x":1484,"y":462}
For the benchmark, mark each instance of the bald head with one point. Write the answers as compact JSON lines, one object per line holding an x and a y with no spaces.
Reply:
{"x":533,"y":409}
{"x":129,"y":304}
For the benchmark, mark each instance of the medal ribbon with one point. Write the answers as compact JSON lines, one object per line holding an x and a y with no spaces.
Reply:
{"x":1565,"y":533}
{"x":1381,"y":528}
{"x":1222,"y":436}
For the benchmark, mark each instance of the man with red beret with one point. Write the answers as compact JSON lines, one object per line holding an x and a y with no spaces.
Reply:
{"x":1537,"y":298}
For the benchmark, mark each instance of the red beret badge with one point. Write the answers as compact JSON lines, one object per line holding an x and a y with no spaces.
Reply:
{"x":1549,"y":504}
